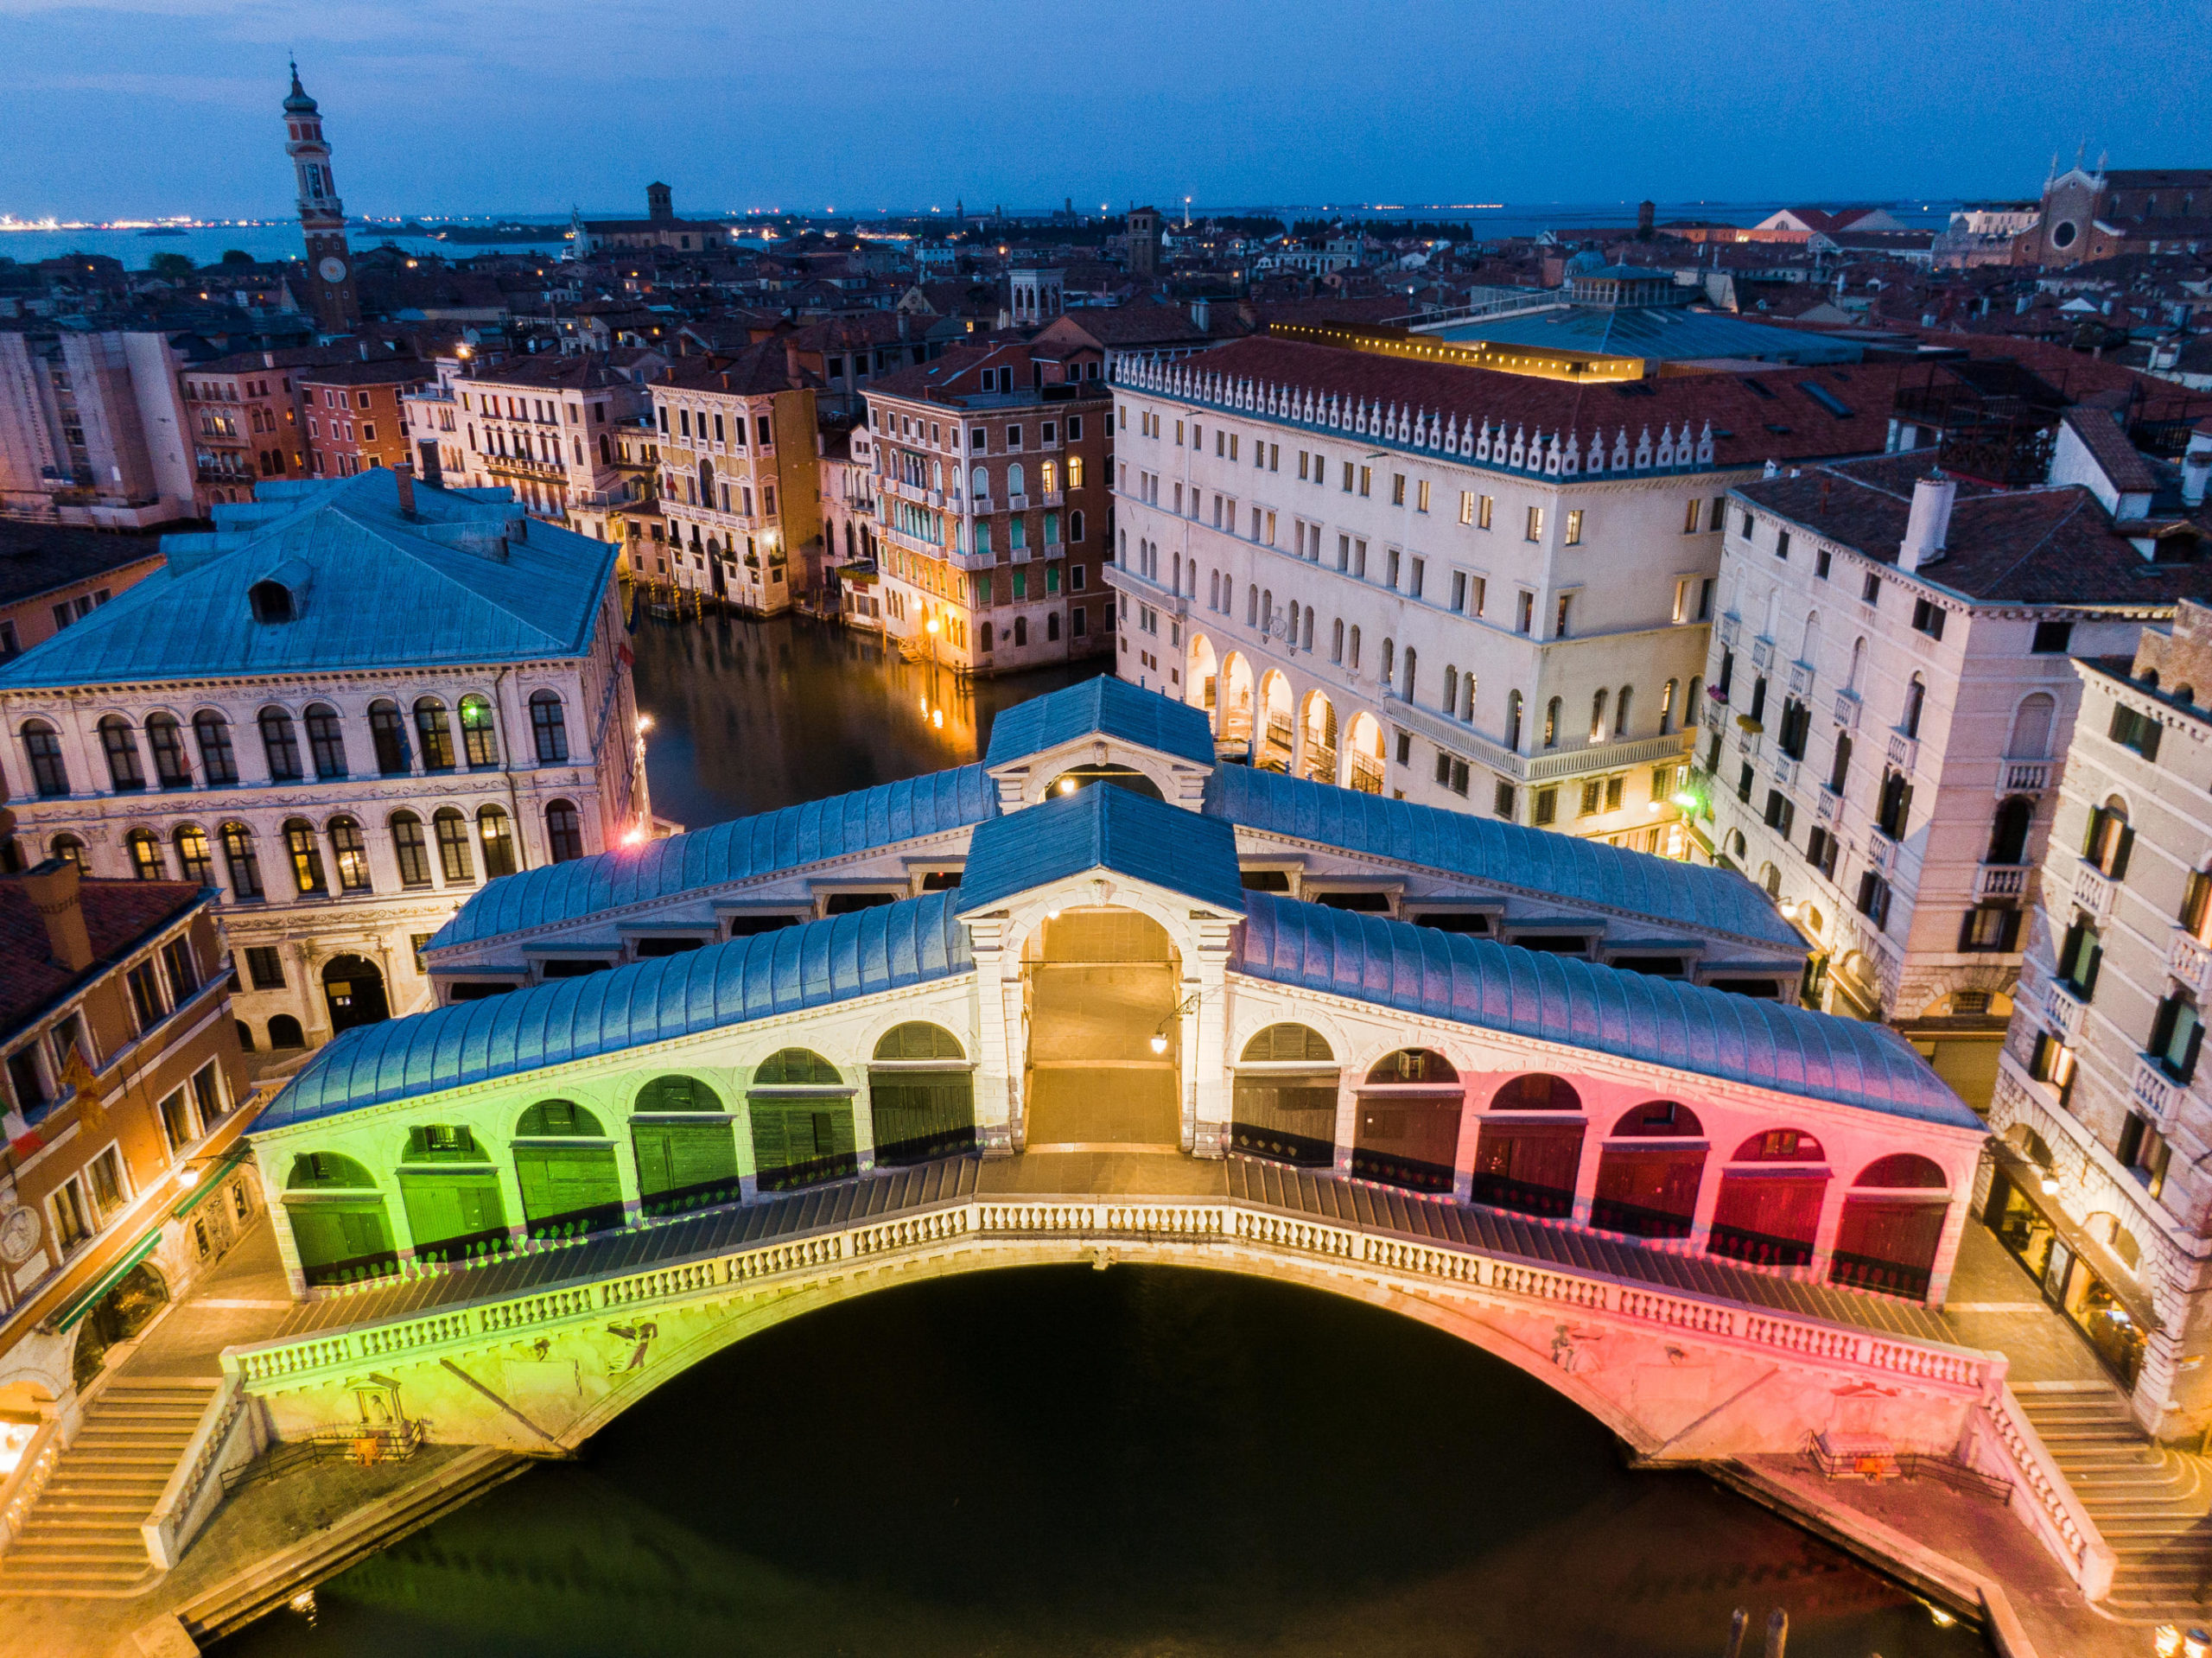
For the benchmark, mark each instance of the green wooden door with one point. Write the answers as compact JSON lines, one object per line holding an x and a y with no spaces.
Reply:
{"x":920,"y":1115}
{"x":449,"y":1209}
{"x":798,"y":1141}
{"x":568,"y":1187}
{"x":341,"y":1242}
{"x":682,"y":1164}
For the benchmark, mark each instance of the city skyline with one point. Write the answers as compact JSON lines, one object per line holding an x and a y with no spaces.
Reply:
{"x":161,"y":105}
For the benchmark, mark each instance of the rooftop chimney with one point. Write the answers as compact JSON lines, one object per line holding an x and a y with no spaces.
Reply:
{"x":52,"y":889}
{"x":403,"y":477}
{"x":2196,"y":464}
{"x":1928,"y":527}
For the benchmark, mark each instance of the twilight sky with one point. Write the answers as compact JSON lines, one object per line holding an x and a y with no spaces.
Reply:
{"x":131,"y":107}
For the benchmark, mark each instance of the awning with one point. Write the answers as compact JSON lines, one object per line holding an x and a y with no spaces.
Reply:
{"x":209,"y":1180}
{"x":2027,"y":1180}
{"x":74,"y":1309}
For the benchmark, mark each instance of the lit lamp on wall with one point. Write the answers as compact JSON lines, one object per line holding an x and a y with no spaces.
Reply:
{"x":1159,"y":1037}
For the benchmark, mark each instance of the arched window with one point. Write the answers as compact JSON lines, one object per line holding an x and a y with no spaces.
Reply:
{"x":1451,"y":688}
{"x":389,"y":733}
{"x":1893,"y":1226}
{"x":1284,"y":1106}
{"x":327,"y":1172}
{"x":145,"y":854}
{"x":241,"y":859}
{"x":1290,"y":1044}
{"x":284,"y":1033}
{"x":1666,"y":708}
{"x":1649,"y":1188}
{"x":1412,"y":664}
{"x":43,"y":747}
{"x":2031,"y":724}
{"x":1769,"y":1217}
{"x":69,"y":847}
{"x":1389,"y":659}
{"x":270,"y":601}
{"x":1513,"y":721}
{"x":280,"y":745}
{"x":1537,"y":1091}
{"x":497,"y":832}
{"x":1904,"y":1170}
{"x":547,"y":726}
{"x":921,"y":1094}
{"x":1551,"y":723}
{"x":2109,"y":839}
{"x":193,"y":860}
{"x":676,"y":1093}
{"x":1916,"y":700}
{"x":245,"y":1035}
{"x":1620,"y":711}
{"x":706,"y":481}
{"x":689,"y":1162}
{"x":1779,"y":1146}
{"x":558,"y":1120}
{"x":1598,"y":716}
{"x":325,"y":741}
{"x":306,"y":852}
{"x":802,"y":1113}
{"x":217,"y":760}
{"x":1858,"y":666}
{"x":434,"y":734}
{"x":165,"y":741}
{"x":409,"y":850}
{"x":2008,"y":837}
{"x":454,"y":860}
{"x":1075,"y":521}
{"x":1015,"y":483}
{"x":479,"y":741}
{"x":979,"y":483}
{"x":564,"y":832}
{"x":1406,"y":1133}
{"x":352,"y":854}
{"x":120,"y":744}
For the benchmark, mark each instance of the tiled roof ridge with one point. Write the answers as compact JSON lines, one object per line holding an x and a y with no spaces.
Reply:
{"x":415,"y":547}
{"x":1421,"y":428}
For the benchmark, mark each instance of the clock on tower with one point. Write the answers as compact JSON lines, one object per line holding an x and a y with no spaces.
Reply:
{"x":322,"y":215}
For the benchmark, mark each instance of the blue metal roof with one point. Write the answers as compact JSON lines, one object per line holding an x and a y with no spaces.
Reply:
{"x":1105,"y":707}
{"x":1554,"y":999}
{"x":1103,"y":827}
{"x":1535,"y":861}
{"x":1663,"y":333}
{"x":372,"y":588}
{"x":797,"y":835}
{"x":810,"y":966}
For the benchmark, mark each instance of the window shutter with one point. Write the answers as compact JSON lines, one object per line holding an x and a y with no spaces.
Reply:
{"x":1966,"y":930}
{"x":2089,"y":971}
{"x":2066,"y":951}
{"x":2162,"y":1025}
{"x":2188,"y":1068}
{"x":2010,"y":938}
{"x":2119,"y":870}
{"x":2149,"y":732}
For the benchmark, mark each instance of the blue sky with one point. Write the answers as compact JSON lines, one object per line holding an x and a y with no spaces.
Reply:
{"x":172,"y":105}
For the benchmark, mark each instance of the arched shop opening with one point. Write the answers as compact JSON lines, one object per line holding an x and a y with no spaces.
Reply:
{"x":1649,"y":1170}
{"x":1098,"y":984}
{"x":114,"y":1314}
{"x":565,"y":1163}
{"x":1276,"y":732}
{"x":1768,"y":1209}
{"x":1233,"y":720}
{"x":1892,"y":1225}
{"x":802,"y":1111}
{"x":1530,"y":1147}
{"x":921,"y":1095}
{"x":1284,"y":1104}
{"x":352,"y":988}
{"x":337,"y":1216}
{"x":1407,"y":1127}
{"x":450,"y":1189}
{"x":685,"y":1138}
{"x":1364,"y":764}
{"x":1201,"y":679}
{"x":1320,"y":757}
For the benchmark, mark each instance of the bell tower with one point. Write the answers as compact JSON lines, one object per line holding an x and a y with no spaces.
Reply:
{"x":322,"y":215}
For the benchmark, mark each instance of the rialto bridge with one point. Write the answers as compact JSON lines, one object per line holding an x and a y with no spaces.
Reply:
{"x":1718,"y":1222}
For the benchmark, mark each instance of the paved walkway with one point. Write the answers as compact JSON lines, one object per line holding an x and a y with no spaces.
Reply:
{"x":1994,"y":1304}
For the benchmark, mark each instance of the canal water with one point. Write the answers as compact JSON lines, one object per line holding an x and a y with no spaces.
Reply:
{"x":1059,"y":1462}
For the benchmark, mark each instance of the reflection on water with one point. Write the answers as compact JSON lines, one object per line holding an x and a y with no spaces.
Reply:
{"x":752,"y":715}
{"x":1055,"y":1461}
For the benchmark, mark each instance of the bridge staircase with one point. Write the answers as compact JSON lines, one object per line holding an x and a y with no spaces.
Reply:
{"x":2152,"y":1505}
{"x":82,"y":1536}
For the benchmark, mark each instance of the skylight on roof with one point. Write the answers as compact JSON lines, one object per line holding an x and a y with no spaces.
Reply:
{"x":1827,"y":399}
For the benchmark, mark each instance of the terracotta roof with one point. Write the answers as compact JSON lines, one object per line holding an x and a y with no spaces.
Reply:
{"x":118,"y":915}
{"x":37,"y":558}
{"x":566,"y":372}
{"x":2045,"y":546}
{"x":394,"y":371}
{"x":753,"y":371}
{"x":2128,"y":472}
{"x":1754,"y":417}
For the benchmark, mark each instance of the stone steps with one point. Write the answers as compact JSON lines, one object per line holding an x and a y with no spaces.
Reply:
{"x":2151,"y":1504}
{"x":82,"y":1536}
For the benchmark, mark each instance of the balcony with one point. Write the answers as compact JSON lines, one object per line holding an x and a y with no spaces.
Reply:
{"x":1763,"y":652}
{"x":2190,"y":963}
{"x":981,"y":506}
{"x":1785,"y":771}
{"x":1729,"y":626}
{"x":2025,"y":777}
{"x":1903,"y":751}
{"x":2152,"y":1088}
{"x":1846,"y":709}
{"x":2001,"y":881}
{"x":1882,"y":853}
{"x":1017,"y":503}
{"x":1828,"y":805}
{"x":1054,"y":497}
{"x":2092,"y":891}
{"x":1800,"y":679}
{"x":2063,"y":1009}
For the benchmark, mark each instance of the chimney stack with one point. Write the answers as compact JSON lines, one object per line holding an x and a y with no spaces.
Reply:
{"x":2196,"y":465}
{"x":403,"y":477}
{"x":1929,"y":527}
{"x":52,"y":889}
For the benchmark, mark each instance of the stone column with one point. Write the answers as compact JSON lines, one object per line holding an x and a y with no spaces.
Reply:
{"x":998,"y":1023}
{"x":402,"y":1223}
{"x":511,"y":1198}
{"x":1824,"y":1236}
{"x":864,"y":1124}
{"x":1205,"y":1037}
{"x":1348,"y":1120}
{"x":1947,"y":1248}
{"x":288,"y":1251}
{"x":1586,"y":1171}
{"x":625,"y":1167}
{"x":1708,"y":1200}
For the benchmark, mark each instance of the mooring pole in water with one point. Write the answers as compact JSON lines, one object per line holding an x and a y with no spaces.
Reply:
{"x":1737,"y":1624}
{"x":1777,"y":1632}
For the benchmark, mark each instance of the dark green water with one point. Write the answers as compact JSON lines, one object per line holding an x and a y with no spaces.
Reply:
{"x":1058,"y":1463}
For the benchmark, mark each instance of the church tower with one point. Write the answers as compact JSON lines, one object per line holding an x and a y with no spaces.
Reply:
{"x":322,"y":215}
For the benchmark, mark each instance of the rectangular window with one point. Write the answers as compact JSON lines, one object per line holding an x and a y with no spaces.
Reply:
{"x":1575,"y":528}
{"x":1821,"y":563}
{"x":146,"y":995}
{"x":1989,"y":927}
{"x":1466,"y":506}
{"x":176,"y":1122}
{"x":1871,"y":593}
{"x":1874,"y":899}
{"x":1928,"y":618}
{"x":1782,"y":545}
{"x":1482,"y":514}
{"x":2131,"y":728}
{"x":1397,"y":489}
{"x":1691,"y":513}
{"x":1781,"y":812}
{"x":2053,"y":1062}
{"x":1525,"y":617}
{"x":1459,"y":590}
{"x":1366,"y":480}
{"x":1592,"y":791}
{"x":1559,"y":620}
{"x":104,"y":1174}
{"x":1547,"y":806}
{"x":207,"y":1094}
{"x":264,"y":965}
{"x":1535,"y":530}
{"x":2052,"y":638}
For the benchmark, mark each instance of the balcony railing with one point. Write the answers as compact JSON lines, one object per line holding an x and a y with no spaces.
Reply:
{"x":1785,"y":771}
{"x":1763,"y":652}
{"x":1017,"y":503}
{"x":2153,"y":1089}
{"x":2190,"y":963}
{"x":1801,"y":678}
{"x":1730,"y":625}
{"x":1903,"y":751}
{"x":1846,"y":709}
{"x":1364,"y":775}
{"x":1882,"y":852}
{"x":2026,"y":777}
{"x":2063,"y":1008}
{"x":2001,"y":879}
{"x":2092,"y":889}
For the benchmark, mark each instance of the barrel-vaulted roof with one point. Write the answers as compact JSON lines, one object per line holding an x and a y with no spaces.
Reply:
{"x":1578,"y":1004}
{"x":1102,"y":827}
{"x":819,"y":962}
{"x":1534,"y":861}
{"x":464,"y":579}
{"x":863,"y":820}
{"x":1105,"y":707}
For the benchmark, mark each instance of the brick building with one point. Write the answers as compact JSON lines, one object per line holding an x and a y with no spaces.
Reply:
{"x":355,"y":417}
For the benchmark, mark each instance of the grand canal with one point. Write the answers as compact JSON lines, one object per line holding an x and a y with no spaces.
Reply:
{"x":1059,"y":1461}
